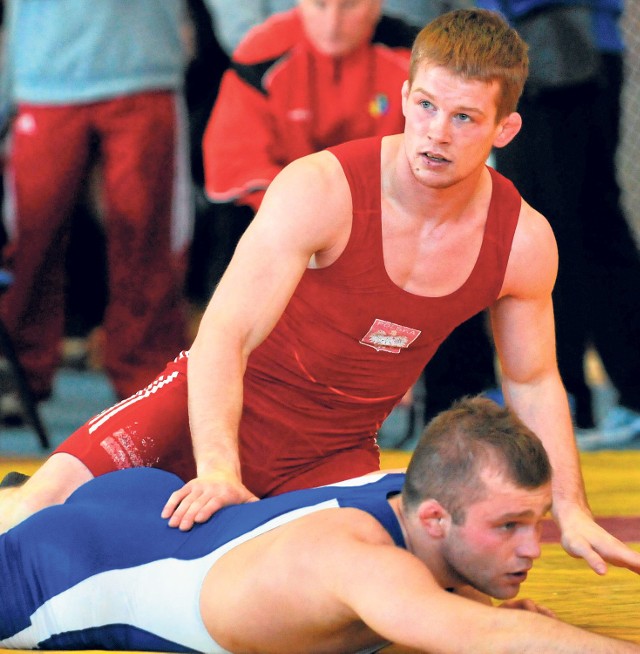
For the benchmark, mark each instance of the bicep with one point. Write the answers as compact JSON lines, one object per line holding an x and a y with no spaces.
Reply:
{"x":522,"y":319}
{"x":524,"y":336}
{"x":292,"y":224}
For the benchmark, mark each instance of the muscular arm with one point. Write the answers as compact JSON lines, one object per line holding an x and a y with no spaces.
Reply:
{"x":337,"y":582}
{"x":524,"y":334}
{"x":299,"y":218}
{"x":398,"y":598}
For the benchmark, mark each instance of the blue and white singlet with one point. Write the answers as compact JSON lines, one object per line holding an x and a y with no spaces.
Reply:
{"x":64,"y":571}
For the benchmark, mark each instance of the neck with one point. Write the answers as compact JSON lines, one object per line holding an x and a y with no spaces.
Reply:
{"x":421,"y":545}
{"x":437,"y":205}
{"x":396,"y":504}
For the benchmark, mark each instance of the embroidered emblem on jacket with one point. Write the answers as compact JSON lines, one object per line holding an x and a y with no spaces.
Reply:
{"x":379,"y":105}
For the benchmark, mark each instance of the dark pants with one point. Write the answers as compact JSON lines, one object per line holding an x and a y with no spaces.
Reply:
{"x":218,"y":229}
{"x":563,"y":163}
{"x":463,"y":365}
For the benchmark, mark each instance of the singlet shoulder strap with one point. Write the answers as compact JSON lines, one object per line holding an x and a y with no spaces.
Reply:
{"x":372,"y":498}
{"x":504,"y":211}
{"x":360,"y":160}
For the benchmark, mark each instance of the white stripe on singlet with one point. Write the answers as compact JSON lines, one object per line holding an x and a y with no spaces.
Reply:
{"x":161,"y":597}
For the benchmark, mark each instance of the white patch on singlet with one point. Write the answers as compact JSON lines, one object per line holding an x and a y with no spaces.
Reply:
{"x":385,"y":336}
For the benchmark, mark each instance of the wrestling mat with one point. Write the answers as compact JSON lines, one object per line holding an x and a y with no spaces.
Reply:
{"x":608,"y":605}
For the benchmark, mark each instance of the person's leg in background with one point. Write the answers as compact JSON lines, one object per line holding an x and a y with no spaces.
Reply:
{"x":86,"y":275}
{"x":547,"y":162}
{"x":227,"y":224}
{"x":202,"y":81}
{"x":612,"y":253}
{"x":148,"y":222}
{"x":48,"y":156}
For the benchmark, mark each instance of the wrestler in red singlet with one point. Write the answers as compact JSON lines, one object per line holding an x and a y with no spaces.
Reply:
{"x":348,"y":346}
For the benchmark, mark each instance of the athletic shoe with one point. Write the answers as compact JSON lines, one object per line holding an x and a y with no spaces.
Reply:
{"x":11,"y":411}
{"x":12,"y":479}
{"x":620,"y":424}
{"x":620,"y":427}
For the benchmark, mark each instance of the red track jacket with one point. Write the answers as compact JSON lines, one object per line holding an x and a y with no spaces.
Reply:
{"x":281,"y":99}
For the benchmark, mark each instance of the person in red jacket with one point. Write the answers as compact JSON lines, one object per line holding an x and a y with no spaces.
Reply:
{"x":304,"y":80}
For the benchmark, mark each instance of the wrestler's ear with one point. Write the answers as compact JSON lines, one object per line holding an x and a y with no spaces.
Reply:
{"x":433,"y":518}
{"x":508,"y":127}
{"x":405,"y":97}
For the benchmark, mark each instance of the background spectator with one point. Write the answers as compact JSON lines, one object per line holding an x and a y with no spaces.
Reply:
{"x":97,"y":78}
{"x":563,"y":163}
{"x":304,"y":80}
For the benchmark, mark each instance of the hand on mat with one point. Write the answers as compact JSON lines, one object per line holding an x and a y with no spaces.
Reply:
{"x":527,"y":605}
{"x":200,"y":498}
{"x":583,"y":538}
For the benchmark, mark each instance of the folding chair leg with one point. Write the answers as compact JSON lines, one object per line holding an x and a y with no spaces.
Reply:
{"x":25,"y":393}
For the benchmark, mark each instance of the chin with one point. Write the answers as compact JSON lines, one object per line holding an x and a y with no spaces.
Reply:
{"x":503,"y":593}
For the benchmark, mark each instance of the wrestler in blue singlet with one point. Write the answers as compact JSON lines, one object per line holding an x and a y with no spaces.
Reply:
{"x":104,"y":571}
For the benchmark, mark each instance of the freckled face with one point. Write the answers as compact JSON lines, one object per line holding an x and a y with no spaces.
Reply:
{"x":336,"y":27}
{"x":450,"y":125}
{"x":500,"y":538}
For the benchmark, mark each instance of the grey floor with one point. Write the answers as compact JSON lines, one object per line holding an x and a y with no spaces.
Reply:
{"x":77,"y":396}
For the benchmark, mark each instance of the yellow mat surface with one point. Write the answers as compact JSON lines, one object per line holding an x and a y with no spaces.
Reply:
{"x":608,"y":605}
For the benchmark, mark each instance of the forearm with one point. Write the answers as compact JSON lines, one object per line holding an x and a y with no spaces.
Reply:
{"x":490,"y":630}
{"x":521,"y":632}
{"x":240,"y":314}
{"x":487,"y":630}
{"x":542,"y":404}
{"x":215,"y":403}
